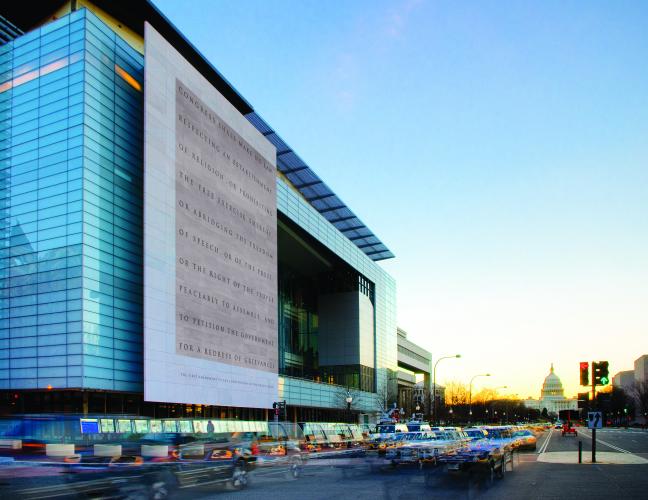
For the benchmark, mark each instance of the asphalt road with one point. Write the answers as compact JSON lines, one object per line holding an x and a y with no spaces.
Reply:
{"x":634,"y":441}
{"x":529,"y":478}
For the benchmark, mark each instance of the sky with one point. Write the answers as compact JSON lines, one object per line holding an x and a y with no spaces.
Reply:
{"x":499,"y":149}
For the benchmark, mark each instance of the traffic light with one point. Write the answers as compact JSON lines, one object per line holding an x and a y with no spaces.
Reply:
{"x":605,"y":374}
{"x":584,"y":373}
{"x":600,"y":373}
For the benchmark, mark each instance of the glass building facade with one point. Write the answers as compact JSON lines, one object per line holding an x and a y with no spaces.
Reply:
{"x":71,"y":249}
{"x":71,"y":106}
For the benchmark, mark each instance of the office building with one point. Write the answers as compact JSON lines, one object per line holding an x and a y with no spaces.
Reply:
{"x":91,"y":313}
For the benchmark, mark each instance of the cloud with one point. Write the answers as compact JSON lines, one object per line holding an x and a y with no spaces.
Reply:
{"x":398,"y":17}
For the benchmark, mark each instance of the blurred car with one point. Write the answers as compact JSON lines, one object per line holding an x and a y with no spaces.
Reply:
{"x":502,"y":436}
{"x":526,"y":439}
{"x":275,"y":453}
{"x":421,"y":448}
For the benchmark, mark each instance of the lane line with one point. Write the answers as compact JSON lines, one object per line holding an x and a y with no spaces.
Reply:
{"x":544,"y":445}
{"x":598,"y":440}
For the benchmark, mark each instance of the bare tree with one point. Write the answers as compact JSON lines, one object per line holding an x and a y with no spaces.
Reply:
{"x":343,"y":393}
{"x":387,"y":395}
{"x":456,"y":393}
{"x":640,"y":393}
{"x":484,"y":396}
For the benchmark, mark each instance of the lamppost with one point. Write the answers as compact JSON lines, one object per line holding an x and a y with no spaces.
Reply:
{"x":434,"y":399}
{"x":496,"y":415}
{"x":451,"y":419}
{"x":470,"y":393}
{"x":349,"y":400}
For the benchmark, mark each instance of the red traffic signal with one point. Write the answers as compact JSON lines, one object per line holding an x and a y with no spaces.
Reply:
{"x":584,"y":373}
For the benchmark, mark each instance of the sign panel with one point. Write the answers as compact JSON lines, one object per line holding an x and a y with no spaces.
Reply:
{"x":595,"y":420}
{"x":89,"y":426}
{"x":210,"y":242}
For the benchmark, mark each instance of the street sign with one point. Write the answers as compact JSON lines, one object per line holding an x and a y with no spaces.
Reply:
{"x":595,"y":419}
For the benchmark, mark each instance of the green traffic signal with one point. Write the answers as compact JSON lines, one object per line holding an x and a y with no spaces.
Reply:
{"x":601,"y":373}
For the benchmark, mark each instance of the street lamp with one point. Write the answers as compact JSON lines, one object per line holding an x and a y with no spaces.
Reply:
{"x":349,"y":400}
{"x":434,"y":400}
{"x":450,"y":412}
{"x":470,"y":392}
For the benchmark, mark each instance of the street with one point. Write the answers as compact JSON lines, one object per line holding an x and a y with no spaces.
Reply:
{"x":531,"y":477}
{"x":551,"y":471}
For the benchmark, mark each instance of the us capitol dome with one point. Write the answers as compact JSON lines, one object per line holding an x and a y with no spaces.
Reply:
{"x":552,"y":396}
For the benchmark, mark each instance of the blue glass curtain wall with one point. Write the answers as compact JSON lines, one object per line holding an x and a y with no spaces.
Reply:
{"x":70,"y":209}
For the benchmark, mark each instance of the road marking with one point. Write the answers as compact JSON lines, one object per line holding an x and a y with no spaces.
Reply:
{"x":544,"y":445}
{"x":607,"y":444}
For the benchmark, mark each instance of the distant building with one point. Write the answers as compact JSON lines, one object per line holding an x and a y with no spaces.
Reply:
{"x":552,"y":396}
{"x":628,"y":379}
{"x":641,"y":368}
{"x":413,"y":360}
{"x":624,"y":380}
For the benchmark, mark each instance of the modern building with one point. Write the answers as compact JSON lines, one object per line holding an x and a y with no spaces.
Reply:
{"x":413,"y":360}
{"x":633,"y":384}
{"x":624,"y":380}
{"x":80,"y":104}
{"x":641,"y":368}
{"x":552,"y":396}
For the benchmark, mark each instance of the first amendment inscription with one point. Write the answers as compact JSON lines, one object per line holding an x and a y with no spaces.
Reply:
{"x":225,"y":223}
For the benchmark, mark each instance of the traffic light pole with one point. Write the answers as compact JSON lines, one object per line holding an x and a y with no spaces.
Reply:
{"x":594,"y":403}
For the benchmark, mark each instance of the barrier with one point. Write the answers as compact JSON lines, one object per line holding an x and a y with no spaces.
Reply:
{"x":59,"y":450}
{"x":10,"y":444}
{"x":155,"y":450}
{"x":107,"y":450}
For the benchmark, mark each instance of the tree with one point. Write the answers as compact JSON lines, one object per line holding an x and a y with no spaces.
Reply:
{"x":640,"y":394}
{"x":387,"y":395}
{"x":456,"y":393}
{"x":341,"y":396}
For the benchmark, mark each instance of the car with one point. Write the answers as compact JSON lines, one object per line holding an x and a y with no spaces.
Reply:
{"x":568,"y":430}
{"x":418,"y":447}
{"x":502,"y":436}
{"x":482,"y":452}
{"x":526,"y":440}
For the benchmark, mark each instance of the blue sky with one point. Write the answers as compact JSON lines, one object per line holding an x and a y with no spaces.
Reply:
{"x":498,"y":148}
